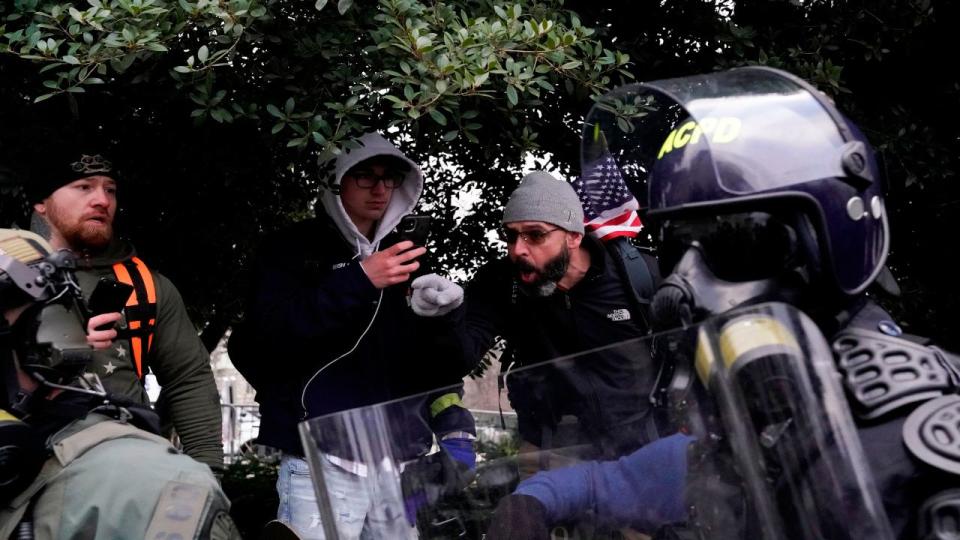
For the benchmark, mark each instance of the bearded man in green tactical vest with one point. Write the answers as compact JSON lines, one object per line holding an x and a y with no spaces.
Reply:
{"x":74,"y":461}
{"x":73,"y":184}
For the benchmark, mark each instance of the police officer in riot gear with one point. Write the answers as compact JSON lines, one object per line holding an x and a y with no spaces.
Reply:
{"x":805,"y":223}
{"x":75,"y":461}
{"x":764,"y":192}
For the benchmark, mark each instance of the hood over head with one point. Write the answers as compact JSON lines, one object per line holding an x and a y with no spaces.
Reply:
{"x":402,"y":202}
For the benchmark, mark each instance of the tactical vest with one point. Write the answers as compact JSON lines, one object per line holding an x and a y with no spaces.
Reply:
{"x":140,"y":311}
{"x":184,"y":507}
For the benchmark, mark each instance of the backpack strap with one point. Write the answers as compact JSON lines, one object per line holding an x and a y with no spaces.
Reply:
{"x":141,"y":309}
{"x":70,"y":448}
{"x":18,"y":513}
{"x":637,"y":268}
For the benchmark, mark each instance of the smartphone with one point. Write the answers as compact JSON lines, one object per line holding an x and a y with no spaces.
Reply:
{"x":414,"y":228}
{"x":110,"y":296}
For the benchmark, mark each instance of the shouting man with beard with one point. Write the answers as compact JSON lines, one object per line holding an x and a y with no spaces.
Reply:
{"x":557,"y":293}
{"x":74,"y":191}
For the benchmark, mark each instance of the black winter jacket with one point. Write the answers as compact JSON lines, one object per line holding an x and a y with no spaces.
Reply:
{"x":600,"y":397}
{"x":317,"y":352}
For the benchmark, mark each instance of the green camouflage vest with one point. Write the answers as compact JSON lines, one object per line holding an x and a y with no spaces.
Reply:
{"x":108,"y":479}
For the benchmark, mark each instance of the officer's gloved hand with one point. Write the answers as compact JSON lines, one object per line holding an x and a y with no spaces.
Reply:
{"x":432,"y":477}
{"x":519,"y":517}
{"x":434,"y":296}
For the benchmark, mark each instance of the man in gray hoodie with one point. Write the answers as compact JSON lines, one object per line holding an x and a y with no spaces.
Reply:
{"x":329,"y":329}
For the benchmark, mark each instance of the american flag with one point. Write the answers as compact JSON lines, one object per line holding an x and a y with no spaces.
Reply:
{"x":609,"y":209}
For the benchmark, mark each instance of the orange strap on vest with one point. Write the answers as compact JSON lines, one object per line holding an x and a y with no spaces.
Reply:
{"x":141,"y":309}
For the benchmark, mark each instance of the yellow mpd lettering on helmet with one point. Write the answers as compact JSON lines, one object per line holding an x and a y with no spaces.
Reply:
{"x":717,"y":130}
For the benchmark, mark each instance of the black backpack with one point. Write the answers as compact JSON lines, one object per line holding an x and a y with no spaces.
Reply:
{"x":639,"y":268}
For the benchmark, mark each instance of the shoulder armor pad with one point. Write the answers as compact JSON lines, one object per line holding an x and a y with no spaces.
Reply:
{"x":932,"y":433}
{"x":882,"y":373}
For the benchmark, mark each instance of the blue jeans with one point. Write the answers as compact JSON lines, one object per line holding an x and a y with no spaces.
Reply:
{"x":349,"y":496}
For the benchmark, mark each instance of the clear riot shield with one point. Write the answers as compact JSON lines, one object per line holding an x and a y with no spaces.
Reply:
{"x":767,"y":447}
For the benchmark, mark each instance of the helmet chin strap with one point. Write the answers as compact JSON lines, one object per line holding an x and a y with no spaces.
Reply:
{"x":89,"y":384}
{"x":39,"y":402}
{"x":8,"y":369}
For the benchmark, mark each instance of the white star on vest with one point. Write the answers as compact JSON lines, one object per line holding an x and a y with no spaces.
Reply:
{"x":121,"y":352}
{"x":109,"y":368}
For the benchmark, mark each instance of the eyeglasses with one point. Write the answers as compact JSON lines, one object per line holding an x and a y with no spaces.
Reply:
{"x":367,"y":179}
{"x":532,"y":237}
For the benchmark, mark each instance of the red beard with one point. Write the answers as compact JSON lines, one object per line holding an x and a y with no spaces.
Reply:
{"x":84,"y":234}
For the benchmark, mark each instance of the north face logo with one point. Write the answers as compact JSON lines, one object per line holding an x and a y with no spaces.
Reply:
{"x":619,"y":315}
{"x":339,"y":266}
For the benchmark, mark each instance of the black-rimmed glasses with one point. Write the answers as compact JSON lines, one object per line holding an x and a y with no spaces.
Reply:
{"x":367,"y":179}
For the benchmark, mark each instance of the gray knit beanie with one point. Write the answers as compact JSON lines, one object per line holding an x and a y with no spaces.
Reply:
{"x":542,"y":197}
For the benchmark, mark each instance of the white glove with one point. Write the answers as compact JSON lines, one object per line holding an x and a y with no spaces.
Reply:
{"x":434,"y":296}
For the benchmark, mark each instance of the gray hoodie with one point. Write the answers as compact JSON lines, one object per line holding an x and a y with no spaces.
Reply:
{"x":402,"y":202}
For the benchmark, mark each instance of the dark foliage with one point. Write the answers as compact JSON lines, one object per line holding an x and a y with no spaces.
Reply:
{"x":196,"y":197}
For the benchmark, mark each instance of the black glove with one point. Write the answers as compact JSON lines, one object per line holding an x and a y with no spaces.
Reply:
{"x":430,"y":478}
{"x":519,"y":517}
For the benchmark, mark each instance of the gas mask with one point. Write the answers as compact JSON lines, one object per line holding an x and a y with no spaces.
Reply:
{"x":729,"y":261}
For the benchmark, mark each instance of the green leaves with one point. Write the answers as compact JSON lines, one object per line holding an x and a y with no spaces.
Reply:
{"x":393,"y":62}
{"x":109,"y":37}
{"x":438,"y":117}
{"x":436,"y":61}
{"x":512,"y":95}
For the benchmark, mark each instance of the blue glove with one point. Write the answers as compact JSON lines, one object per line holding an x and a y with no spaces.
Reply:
{"x":461,"y":449}
{"x":651,"y":479}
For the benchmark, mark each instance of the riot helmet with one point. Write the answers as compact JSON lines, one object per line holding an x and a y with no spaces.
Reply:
{"x":756,"y":171}
{"x":41,"y":335}
{"x":48,"y":337}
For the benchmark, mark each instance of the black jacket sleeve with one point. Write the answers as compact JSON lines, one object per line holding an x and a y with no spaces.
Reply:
{"x":484,"y":314}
